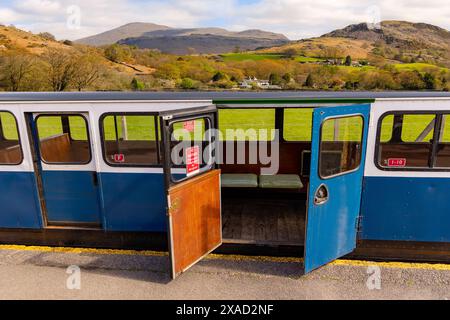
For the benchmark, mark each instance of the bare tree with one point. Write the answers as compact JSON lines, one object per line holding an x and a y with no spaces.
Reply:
{"x":61,"y":69}
{"x":15,"y":69}
{"x":88,"y":70}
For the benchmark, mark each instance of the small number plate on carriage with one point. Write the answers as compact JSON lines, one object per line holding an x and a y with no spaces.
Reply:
{"x":397,"y":162}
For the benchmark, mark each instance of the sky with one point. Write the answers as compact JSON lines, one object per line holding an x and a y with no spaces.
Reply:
{"x":297,"y":19}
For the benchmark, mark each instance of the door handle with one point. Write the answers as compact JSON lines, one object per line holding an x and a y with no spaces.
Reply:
{"x":321,"y":196}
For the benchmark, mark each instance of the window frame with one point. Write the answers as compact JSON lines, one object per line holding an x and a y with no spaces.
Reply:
{"x":361,"y":116}
{"x":159,"y":142}
{"x":434,"y":144}
{"x":89,"y":141}
{"x":209,"y":122}
{"x":19,"y":140}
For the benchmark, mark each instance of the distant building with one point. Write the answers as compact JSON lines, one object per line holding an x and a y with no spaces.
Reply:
{"x":252,"y":82}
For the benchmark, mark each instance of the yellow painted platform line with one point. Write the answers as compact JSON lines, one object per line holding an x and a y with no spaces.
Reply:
{"x":354,"y":263}
{"x":83,"y":250}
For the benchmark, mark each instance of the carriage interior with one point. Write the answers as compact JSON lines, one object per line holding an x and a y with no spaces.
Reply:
{"x":270,"y":209}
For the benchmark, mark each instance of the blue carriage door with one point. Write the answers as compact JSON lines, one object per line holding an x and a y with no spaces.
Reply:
{"x":337,"y":169}
{"x":67,"y":169}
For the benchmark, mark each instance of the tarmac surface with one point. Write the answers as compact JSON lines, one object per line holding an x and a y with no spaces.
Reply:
{"x":63,"y":273}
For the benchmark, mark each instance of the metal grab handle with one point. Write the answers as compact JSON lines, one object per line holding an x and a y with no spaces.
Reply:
{"x":321,"y":196}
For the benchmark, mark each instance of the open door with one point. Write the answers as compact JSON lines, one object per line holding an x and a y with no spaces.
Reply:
{"x":193,"y":188}
{"x":337,"y":169}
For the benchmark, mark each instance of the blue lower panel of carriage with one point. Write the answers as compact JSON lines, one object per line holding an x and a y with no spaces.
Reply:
{"x":406,"y":209}
{"x":18,"y":201}
{"x":134,"y":202}
{"x":71,"y":196}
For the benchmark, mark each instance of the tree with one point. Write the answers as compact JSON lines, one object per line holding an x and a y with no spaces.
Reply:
{"x":275,"y":79}
{"x":348,"y":61}
{"x":287,"y":77}
{"x":118,"y":53}
{"x":429,"y":80}
{"x":47,"y":36}
{"x":137,"y":85}
{"x":187,"y":84}
{"x":309,"y":81}
{"x":61,"y":69}
{"x":290,"y":53}
{"x":411,"y":80}
{"x":15,"y":68}
{"x":87,"y":71}
{"x":219,"y":76}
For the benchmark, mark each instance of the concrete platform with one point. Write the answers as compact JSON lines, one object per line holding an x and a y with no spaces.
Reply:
{"x":41,"y":273}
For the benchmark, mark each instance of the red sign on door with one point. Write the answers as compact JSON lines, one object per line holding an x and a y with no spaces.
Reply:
{"x":189,"y":125}
{"x":192,"y":160}
{"x":397,"y":162}
{"x":119,"y":158}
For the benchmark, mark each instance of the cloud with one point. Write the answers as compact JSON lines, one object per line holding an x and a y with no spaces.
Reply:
{"x":295,"y":18}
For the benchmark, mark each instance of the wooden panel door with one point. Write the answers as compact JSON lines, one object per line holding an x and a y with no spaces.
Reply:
{"x":195,"y":224}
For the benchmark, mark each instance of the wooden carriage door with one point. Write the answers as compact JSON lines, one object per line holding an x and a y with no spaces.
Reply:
{"x":194,"y":204}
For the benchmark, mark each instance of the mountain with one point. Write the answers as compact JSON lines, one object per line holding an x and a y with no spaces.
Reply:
{"x":392,"y":41}
{"x":399,"y":34}
{"x":130,"y":30}
{"x":418,"y":41}
{"x":185,"y":41}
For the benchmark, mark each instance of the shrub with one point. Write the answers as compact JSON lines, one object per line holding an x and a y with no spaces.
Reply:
{"x":188,"y":84}
{"x":137,"y":85}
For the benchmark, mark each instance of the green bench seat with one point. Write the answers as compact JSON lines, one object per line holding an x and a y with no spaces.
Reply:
{"x":280,"y":181}
{"x":236,"y":180}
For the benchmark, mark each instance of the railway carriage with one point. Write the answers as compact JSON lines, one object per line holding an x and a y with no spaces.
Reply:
{"x":322,"y":175}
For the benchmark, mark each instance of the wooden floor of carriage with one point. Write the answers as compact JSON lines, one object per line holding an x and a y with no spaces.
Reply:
{"x":263,"y":221}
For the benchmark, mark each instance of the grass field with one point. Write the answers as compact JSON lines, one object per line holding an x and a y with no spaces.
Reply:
{"x":297,"y":126}
{"x":267,"y":56}
{"x":421,"y":67}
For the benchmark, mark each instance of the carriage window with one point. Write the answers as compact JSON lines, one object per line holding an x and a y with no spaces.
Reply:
{"x":130,"y":140}
{"x":410,"y":142}
{"x":418,"y":127}
{"x":297,"y":124}
{"x":340,"y":146}
{"x":63,"y":139}
{"x":190,"y":141}
{"x":387,"y":128}
{"x":10,"y":149}
{"x":443,"y":150}
{"x":247,"y":124}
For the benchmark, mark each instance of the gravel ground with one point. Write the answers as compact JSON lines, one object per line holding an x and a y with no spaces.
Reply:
{"x":26,"y":274}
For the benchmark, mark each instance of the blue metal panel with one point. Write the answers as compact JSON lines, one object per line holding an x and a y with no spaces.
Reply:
{"x":406,"y":209}
{"x":133,"y":201}
{"x":331,"y":227}
{"x":71,"y":196}
{"x":18,"y":200}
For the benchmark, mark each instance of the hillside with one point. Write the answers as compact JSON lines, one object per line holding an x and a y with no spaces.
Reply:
{"x":315,"y":47}
{"x":129,"y":30}
{"x":423,"y":41}
{"x":200,"y":43}
{"x":394,"y":42}
{"x":186,"y":41}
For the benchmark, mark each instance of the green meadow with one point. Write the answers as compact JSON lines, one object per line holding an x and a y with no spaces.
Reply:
{"x":266,"y":56}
